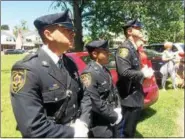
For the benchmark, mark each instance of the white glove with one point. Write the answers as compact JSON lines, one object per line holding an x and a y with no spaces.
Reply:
{"x":80,"y":129}
{"x":151,"y":70}
{"x":148,"y":72}
{"x":118,"y":111}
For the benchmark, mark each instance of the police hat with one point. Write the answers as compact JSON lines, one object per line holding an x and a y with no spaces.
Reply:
{"x":61,"y":19}
{"x":98,"y":44}
{"x":132,"y":23}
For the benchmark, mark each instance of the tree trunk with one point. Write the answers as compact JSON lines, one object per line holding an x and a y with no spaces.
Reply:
{"x":78,"y":42}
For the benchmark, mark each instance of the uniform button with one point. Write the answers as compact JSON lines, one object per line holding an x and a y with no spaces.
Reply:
{"x":79,"y":88}
{"x":74,"y":105}
{"x":56,"y":99}
{"x":105,"y":89}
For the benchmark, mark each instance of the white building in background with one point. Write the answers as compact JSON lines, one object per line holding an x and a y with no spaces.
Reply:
{"x":8,"y":40}
{"x":31,"y":39}
{"x":25,"y":40}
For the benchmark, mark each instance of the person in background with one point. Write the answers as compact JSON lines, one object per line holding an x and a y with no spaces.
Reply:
{"x":130,"y":78}
{"x":47,"y":95}
{"x":142,"y":55}
{"x":179,"y":68}
{"x":168,"y":57}
{"x":106,"y":112}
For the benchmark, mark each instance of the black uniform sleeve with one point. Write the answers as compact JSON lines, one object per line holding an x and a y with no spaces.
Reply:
{"x":101,"y":106}
{"x":84,"y":98}
{"x":86,"y":108}
{"x":124,"y":67}
{"x":29,"y":111}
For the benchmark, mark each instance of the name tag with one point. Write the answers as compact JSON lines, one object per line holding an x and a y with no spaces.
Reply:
{"x":104,"y":83}
{"x":53,"y":87}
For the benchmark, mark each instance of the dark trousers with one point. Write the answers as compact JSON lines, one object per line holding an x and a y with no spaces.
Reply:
{"x":101,"y":132}
{"x":127,"y":127}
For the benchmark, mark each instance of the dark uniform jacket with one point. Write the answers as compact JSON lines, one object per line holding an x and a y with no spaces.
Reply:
{"x":103,"y":98}
{"x":130,"y":77}
{"x":42,"y":91}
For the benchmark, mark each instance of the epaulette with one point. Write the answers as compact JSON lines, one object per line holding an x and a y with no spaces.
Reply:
{"x":29,"y":57}
{"x":127,"y":44}
{"x":87,"y":69}
{"x":20,"y":64}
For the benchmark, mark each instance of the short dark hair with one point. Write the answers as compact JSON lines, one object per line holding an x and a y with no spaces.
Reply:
{"x":41,"y":33}
{"x":125,"y":31}
{"x":90,"y":50}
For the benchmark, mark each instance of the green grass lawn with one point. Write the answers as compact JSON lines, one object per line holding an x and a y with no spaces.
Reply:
{"x":160,"y":120}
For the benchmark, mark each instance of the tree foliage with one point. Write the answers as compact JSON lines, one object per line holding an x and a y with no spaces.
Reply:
{"x":21,"y":27}
{"x":162,"y":19}
{"x":5,"y":27}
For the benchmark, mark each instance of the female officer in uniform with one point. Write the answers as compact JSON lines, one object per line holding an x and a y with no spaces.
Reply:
{"x":98,"y":81}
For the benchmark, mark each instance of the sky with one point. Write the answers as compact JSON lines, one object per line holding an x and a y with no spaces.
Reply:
{"x":12,"y":12}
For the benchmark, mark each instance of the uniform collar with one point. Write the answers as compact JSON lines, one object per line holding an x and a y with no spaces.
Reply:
{"x":96,"y":65}
{"x":99,"y":64}
{"x":133,"y":43}
{"x":52,"y":55}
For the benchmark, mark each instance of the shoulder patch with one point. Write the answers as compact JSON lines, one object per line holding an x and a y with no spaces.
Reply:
{"x":18,"y":78}
{"x":86,"y":79}
{"x":123,"y":52}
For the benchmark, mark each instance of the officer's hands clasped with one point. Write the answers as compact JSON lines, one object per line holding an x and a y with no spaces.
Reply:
{"x":148,"y":72}
{"x":118,"y":111}
{"x":80,"y":129}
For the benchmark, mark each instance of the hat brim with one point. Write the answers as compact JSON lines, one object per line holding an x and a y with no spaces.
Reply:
{"x":134,"y":26}
{"x":124,"y":27}
{"x":67,"y":25}
{"x":101,"y":48}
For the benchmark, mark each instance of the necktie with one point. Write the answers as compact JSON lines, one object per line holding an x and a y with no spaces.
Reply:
{"x":60,"y":64}
{"x":108,"y":74}
{"x":62,"y":69}
{"x":104,"y":69}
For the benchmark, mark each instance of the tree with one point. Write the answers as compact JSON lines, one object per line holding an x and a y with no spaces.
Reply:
{"x":5,"y":27}
{"x":162,"y":19}
{"x":21,"y":27}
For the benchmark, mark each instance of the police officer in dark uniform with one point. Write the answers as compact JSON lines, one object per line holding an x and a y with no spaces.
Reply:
{"x":46,"y":91}
{"x":130,"y":78}
{"x":98,"y":81}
